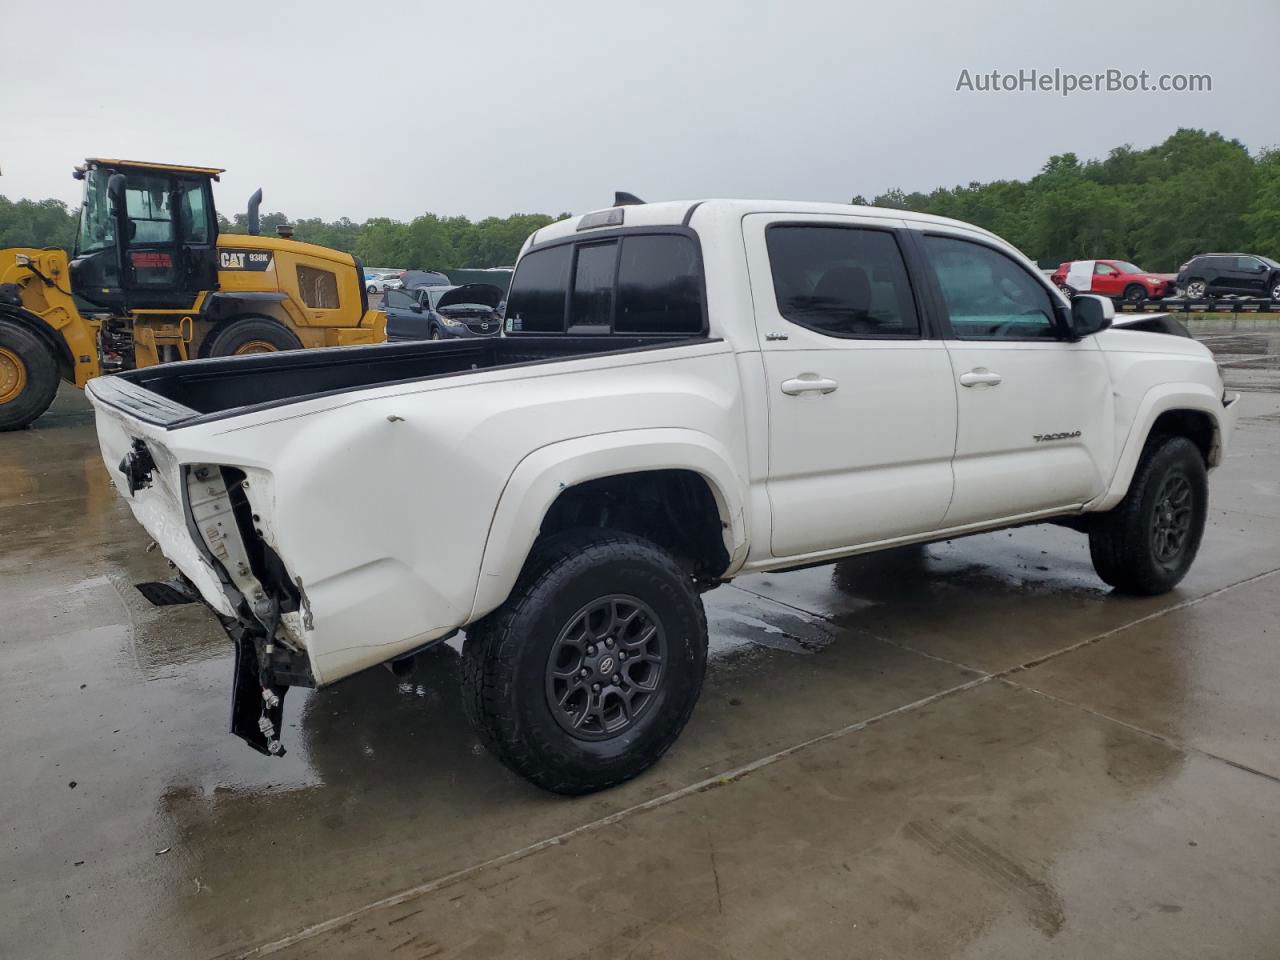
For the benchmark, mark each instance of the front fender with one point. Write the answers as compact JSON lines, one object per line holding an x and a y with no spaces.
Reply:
{"x":541,"y":476}
{"x":1161,"y":399}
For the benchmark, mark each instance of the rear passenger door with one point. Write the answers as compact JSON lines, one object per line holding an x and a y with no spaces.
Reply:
{"x":862,"y":407}
{"x":1035,"y":411}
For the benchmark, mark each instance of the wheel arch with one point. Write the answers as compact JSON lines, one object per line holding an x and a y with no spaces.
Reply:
{"x":221,"y":310}
{"x":571,"y":472}
{"x":1184,"y":410}
{"x":47,"y":335}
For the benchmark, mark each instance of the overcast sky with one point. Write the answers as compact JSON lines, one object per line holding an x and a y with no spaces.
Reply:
{"x":479,"y":108}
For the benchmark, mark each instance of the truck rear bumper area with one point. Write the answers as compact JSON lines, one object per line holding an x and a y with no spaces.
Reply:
{"x":201,"y":520}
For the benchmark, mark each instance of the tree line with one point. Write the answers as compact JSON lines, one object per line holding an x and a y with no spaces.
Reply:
{"x":1193,"y":193}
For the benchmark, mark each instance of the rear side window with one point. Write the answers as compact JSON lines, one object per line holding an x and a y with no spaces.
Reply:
{"x":536,"y":301}
{"x":658,"y":288}
{"x":841,"y":281}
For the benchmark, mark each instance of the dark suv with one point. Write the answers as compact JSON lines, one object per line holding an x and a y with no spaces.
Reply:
{"x":441,"y":313}
{"x":1211,"y":274}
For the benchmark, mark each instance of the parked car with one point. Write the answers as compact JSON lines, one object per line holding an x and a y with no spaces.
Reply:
{"x":373,"y":282}
{"x":1244,"y":274}
{"x":423,"y":278}
{"x":685,"y":393}
{"x":441,"y":313}
{"x":1117,"y":279}
{"x":393,"y":281}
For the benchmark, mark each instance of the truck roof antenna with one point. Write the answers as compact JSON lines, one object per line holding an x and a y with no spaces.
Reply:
{"x":623,"y":199}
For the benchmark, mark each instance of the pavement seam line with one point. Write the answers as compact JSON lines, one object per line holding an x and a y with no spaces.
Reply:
{"x":707,"y":783}
{"x":1154,"y":615}
{"x":731,"y":776}
{"x":1171,"y":742}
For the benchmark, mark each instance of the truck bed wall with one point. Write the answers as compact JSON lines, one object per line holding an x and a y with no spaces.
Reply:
{"x":224,"y":384}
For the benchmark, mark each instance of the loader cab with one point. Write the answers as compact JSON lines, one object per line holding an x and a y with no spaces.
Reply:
{"x":147,"y":235}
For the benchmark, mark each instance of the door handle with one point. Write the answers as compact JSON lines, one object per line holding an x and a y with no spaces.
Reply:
{"x":808,"y":383}
{"x":980,"y":377}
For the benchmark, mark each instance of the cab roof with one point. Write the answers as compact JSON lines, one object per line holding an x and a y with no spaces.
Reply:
{"x":148,"y":165}
{"x":703,"y":212}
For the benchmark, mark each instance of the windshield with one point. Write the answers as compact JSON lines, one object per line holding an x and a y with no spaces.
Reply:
{"x":97,"y":227}
{"x":1125,"y":267}
{"x":1269,"y":262}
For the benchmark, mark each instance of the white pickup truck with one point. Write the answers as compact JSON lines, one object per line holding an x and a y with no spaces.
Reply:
{"x":683,"y":393}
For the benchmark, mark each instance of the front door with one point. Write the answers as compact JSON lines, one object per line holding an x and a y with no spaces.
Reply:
{"x":862,"y":407}
{"x":1034,"y":410}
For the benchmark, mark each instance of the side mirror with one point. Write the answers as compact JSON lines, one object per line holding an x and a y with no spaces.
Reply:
{"x":416,"y":307}
{"x":1090,"y":314}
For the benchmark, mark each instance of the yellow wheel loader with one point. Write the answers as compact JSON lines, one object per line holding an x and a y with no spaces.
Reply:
{"x":151,"y":280}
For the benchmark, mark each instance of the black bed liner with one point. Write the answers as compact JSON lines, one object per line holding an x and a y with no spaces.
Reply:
{"x":198,"y":391}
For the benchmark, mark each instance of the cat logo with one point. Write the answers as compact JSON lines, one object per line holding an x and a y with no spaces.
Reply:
{"x":257,"y":260}
{"x":1045,"y":437}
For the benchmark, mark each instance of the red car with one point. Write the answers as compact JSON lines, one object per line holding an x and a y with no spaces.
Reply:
{"x":1117,"y":279}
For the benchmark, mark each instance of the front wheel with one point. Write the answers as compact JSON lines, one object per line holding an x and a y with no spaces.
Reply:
{"x":371,"y":289}
{"x":1275,"y":291}
{"x":1134,"y":295}
{"x":28,"y":376}
{"x":1146,"y":544}
{"x":588,"y":672}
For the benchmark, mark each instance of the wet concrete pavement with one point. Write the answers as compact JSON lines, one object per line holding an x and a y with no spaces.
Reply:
{"x":966,"y":750}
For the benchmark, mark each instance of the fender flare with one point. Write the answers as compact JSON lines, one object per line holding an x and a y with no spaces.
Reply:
{"x":46,"y":334}
{"x":1161,"y":399}
{"x":543,"y":474}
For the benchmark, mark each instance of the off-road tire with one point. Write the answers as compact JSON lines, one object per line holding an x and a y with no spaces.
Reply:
{"x":1122,"y":542}
{"x":506,"y":655}
{"x":39,"y":376}
{"x":230,"y":339}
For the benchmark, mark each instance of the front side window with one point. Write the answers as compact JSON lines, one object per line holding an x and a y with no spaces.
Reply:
{"x":988,"y":295}
{"x":841,"y":281}
{"x":1104,"y":270}
{"x":319,"y":288}
{"x":536,"y":301}
{"x":1248,"y":264}
{"x":398,"y":299}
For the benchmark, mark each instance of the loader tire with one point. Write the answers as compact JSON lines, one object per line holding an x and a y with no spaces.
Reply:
{"x":28,"y":376}
{"x":252,"y":335}
{"x":588,"y":672}
{"x":1146,"y":544}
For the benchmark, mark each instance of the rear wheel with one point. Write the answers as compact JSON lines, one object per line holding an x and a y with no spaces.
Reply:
{"x":1197,"y":289}
{"x":252,"y":335}
{"x":28,"y":376}
{"x":1146,"y":544}
{"x":1275,"y":291}
{"x":590,"y":670}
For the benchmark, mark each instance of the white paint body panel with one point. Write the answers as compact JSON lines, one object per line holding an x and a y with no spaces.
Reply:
{"x":403,"y":529}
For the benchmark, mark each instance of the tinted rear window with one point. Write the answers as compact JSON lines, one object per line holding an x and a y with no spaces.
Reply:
{"x":536,"y":301}
{"x":638,"y":284}
{"x":658,"y":289}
